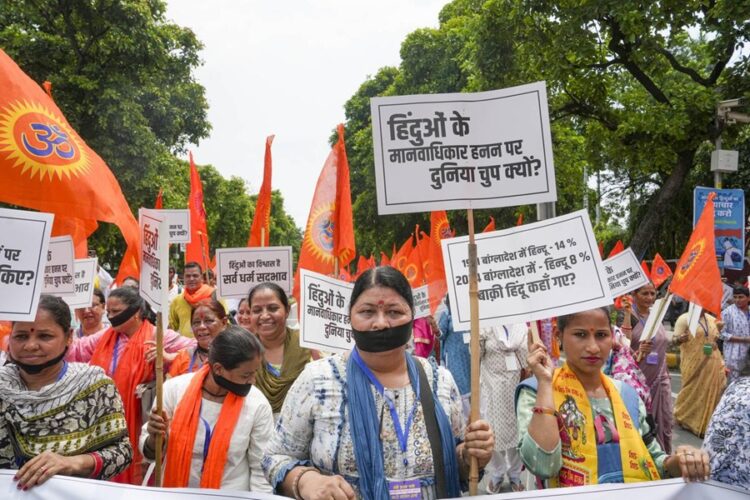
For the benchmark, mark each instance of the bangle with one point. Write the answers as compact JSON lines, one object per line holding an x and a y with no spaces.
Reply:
{"x":295,"y":484}
{"x":628,"y":328}
{"x":543,"y":410}
{"x":98,"y":465}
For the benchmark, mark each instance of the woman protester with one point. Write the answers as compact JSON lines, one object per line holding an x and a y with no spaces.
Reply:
{"x":90,"y":318}
{"x":702,"y":371}
{"x":208,"y":318}
{"x":728,"y":433}
{"x":502,"y":361}
{"x":127,"y":352}
{"x":243,"y":314}
{"x":57,"y":417}
{"x":284,"y":359}
{"x":580,"y":427}
{"x":215,"y":423}
{"x":375,"y":420}
{"x":651,"y":356}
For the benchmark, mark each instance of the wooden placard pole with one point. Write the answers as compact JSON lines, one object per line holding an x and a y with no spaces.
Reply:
{"x":205,"y":259}
{"x":655,"y":325}
{"x":159,"y":368}
{"x":474,"y":310}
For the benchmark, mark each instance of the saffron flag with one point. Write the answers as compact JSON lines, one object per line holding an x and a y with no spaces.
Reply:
{"x":159,"y":200}
{"x":644,"y":266}
{"x":660,"y":271}
{"x":413,"y":269}
{"x":489,"y":227}
{"x":696,"y":277}
{"x":520,"y":219}
{"x":619,"y":247}
{"x":384,"y":260}
{"x":439,"y":229}
{"x":423,"y":246}
{"x":601,"y":249}
{"x":363,"y":265}
{"x":329,"y":234}
{"x":197,"y":249}
{"x":46,"y":166}
{"x":402,"y":256}
{"x":262,"y":219}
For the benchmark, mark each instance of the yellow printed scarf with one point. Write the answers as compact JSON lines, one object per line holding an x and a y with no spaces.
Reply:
{"x":579,"y":452}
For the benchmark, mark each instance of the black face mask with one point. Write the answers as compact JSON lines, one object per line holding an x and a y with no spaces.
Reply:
{"x":125,"y":315}
{"x":382,"y":340}
{"x":240,"y":390}
{"x":34,"y":369}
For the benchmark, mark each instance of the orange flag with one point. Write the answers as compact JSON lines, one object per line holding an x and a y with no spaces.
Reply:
{"x":519,"y":221}
{"x":660,"y":271}
{"x":329,"y":234}
{"x":423,"y":246}
{"x":491,"y":226}
{"x":619,"y":247}
{"x":413,"y":269}
{"x":696,"y":277}
{"x":601,"y":249}
{"x":439,"y":229}
{"x":384,"y":260}
{"x":197,"y":249}
{"x":159,"y":200}
{"x":644,"y":266}
{"x":262,"y":218}
{"x":46,"y":166}
{"x":402,"y":256}
{"x":363,"y":265}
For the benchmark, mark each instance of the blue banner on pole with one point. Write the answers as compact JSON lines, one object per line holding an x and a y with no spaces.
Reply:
{"x":729,"y":224}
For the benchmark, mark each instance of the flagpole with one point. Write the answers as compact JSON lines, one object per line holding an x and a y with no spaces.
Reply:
{"x":474,"y":310}
{"x":205,"y":258}
{"x":262,"y":236}
{"x":159,"y":368}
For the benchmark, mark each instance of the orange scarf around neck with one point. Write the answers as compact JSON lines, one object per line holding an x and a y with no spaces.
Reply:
{"x":130,"y":371}
{"x":182,"y":433}
{"x":202,"y":293}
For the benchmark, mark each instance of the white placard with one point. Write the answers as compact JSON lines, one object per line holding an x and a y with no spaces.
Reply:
{"x":448,"y":151}
{"x":324,"y":312}
{"x":84,"y":276}
{"x":694,"y":316}
{"x":536,"y":271}
{"x":421,"y":301}
{"x":240,"y":269}
{"x":24,"y":240}
{"x":154,"y":258}
{"x":655,"y":317}
{"x":178,"y":222}
{"x":58,"y":270}
{"x":624,"y":273}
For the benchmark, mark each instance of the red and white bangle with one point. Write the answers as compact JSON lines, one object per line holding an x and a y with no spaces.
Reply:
{"x":543,"y":410}
{"x":98,"y":465}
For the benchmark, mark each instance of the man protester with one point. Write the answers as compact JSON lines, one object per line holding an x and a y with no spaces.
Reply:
{"x":194,"y":291}
{"x":736,"y":332}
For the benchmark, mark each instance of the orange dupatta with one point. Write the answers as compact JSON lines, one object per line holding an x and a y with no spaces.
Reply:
{"x":202,"y":293}
{"x":182,"y":433}
{"x":130,"y":371}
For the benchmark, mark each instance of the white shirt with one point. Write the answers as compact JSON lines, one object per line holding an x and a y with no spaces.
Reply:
{"x":242,"y":471}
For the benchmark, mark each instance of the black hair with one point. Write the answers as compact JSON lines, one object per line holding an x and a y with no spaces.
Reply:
{"x":741,"y":290}
{"x":98,"y":292}
{"x":276,"y":289}
{"x":130,"y":297}
{"x":232,"y":346}
{"x":58,"y":309}
{"x":564,"y":321}
{"x":192,"y":263}
{"x":213,"y":305}
{"x":383,"y":276}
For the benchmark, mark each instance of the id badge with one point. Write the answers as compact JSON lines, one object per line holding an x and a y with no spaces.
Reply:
{"x":708,"y":349}
{"x":405,"y":490}
{"x":652,"y":358}
{"x":511,"y":363}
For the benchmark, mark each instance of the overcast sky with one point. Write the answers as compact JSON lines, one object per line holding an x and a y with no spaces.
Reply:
{"x":287,"y":68}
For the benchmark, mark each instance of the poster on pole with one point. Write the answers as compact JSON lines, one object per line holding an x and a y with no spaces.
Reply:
{"x":154,"y":258}
{"x":58,"y":270}
{"x":421,"y":301}
{"x":24,"y":240}
{"x":84,"y":275}
{"x":324,"y":312}
{"x":178,"y":222}
{"x":624,"y":273}
{"x":530,"y":272}
{"x":729,"y":224}
{"x":450,"y":151}
{"x":240,"y":269}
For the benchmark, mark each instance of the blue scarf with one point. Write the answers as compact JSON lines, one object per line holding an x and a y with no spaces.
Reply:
{"x":364,"y":429}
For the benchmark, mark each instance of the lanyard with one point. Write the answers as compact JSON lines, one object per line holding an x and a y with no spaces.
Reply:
{"x":114,"y":354}
{"x":704,"y":324}
{"x":207,"y":441}
{"x":192,"y":362}
{"x":272,"y":370}
{"x":63,"y":371}
{"x":507,"y":334}
{"x":403,"y":435}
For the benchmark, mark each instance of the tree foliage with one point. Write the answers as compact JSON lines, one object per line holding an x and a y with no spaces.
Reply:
{"x":123,"y":76}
